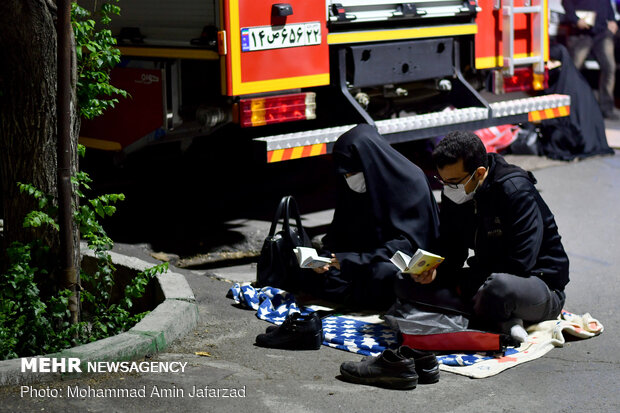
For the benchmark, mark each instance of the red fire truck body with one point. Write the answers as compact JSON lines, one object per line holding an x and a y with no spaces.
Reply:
{"x":294,"y":76}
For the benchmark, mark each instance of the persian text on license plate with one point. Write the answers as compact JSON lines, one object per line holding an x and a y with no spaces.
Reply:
{"x":276,"y":37}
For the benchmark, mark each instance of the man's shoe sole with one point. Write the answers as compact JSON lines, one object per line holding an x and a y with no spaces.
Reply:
{"x":398,"y":383}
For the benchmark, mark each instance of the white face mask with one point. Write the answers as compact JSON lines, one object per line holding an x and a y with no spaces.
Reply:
{"x":458,"y":194}
{"x":356,"y":182}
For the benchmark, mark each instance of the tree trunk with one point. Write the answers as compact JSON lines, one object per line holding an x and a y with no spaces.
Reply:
{"x":28,"y":113}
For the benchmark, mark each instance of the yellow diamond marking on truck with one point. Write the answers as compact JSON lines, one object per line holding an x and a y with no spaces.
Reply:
{"x":276,"y":156}
{"x":563,"y":111}
{"x":297,"y":152}
{"x":317,"y":149}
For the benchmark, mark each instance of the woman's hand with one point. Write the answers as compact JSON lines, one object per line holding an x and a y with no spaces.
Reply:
{"x":321,"y":270}
{"x":425,"y":277}
{"x":335,"y":263}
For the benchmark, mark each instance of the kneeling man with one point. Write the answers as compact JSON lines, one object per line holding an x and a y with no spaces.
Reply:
{"x":519,"y":268}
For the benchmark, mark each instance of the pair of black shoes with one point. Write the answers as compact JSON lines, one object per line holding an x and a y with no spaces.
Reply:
{"x":396,"y":369}
{"x":297,"y":332}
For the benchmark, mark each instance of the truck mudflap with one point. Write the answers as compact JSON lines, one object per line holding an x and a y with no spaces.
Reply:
{"x":320,"y":141}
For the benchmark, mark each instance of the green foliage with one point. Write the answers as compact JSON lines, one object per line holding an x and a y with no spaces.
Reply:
{"x":34,"y":315}
{"x":112,"y":318}
{"x":28,"y":325}
{"x":96,"y":55}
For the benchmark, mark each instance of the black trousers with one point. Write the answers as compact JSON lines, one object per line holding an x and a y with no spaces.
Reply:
{"x":506,"y":296}
{"x":501,"y":297}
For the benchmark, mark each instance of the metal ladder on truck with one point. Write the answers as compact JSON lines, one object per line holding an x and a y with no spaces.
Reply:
{"x":536,"y":9}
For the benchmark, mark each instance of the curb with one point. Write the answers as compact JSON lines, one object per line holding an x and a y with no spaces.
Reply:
{"x":170,"y":320}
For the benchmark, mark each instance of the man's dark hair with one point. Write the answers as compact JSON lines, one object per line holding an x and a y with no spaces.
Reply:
{"x":461,"y":145}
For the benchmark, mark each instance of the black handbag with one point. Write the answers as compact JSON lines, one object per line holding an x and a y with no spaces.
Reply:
{"x":277,"y":264}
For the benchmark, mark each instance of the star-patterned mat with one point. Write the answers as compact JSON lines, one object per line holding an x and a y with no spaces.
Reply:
{"x":369,"y":335}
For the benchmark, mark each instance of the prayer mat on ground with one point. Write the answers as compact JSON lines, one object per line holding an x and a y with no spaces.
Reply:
{"x":370,"y":335}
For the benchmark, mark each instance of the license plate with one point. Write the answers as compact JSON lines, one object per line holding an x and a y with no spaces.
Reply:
{"x":278,"y":37}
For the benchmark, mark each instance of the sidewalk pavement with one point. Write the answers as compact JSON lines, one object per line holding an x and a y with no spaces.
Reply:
{"x":222,"y":359}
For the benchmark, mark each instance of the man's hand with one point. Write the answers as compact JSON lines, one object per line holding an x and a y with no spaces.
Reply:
{"x":335,"y":263}
{"x":582,"y":25}
{"x":426,"y":277}
{"x":612,"y":26}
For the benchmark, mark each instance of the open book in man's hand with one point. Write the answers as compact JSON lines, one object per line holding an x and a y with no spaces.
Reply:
{"x":308,"y":258}
{"x":420,"y":262}
{"x":586,"y":15}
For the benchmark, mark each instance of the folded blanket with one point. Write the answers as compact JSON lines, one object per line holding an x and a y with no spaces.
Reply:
{"x":370,"y":335}
{"x":271,"y":304}
{"x":542,"y":337}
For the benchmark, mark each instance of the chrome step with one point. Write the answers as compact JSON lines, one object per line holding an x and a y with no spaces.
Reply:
{"x":499,"y":110}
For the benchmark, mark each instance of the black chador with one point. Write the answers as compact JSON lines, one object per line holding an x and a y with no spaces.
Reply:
{"x":389,"y":207}
{"x":582,"y":133}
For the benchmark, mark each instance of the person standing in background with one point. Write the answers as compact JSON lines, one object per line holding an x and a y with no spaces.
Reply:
{"x":592,"y":25}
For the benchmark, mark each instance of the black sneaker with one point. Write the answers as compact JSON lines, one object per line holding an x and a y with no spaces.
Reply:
{"x":426,"y":364}
{"x":389,"y":369}
{"x":297,"y":332}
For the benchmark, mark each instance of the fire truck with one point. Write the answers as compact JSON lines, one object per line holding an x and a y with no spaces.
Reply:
{"x":291,"y":77}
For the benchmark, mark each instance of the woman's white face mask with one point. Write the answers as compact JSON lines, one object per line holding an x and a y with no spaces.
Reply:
{"x":356,"y":182}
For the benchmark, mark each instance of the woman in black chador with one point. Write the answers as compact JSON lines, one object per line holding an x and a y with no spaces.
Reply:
{"x":385,"y":204}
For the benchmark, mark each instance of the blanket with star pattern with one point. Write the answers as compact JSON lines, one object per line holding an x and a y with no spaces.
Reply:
{"x":370,"y":335}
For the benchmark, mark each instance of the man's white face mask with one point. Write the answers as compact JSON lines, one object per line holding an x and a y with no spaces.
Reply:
{"x":356,"y":182}
{"x":456,"y":192}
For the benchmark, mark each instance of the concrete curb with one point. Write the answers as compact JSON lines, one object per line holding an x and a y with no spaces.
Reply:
{"x":172,"y":319}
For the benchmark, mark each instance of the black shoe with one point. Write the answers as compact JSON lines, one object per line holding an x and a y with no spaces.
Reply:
{"x":297,"y":332}
{"x":426,"y":364}
{"x":320,"y":313}
{"x":271,"y":328}
{"x":390,"y":370}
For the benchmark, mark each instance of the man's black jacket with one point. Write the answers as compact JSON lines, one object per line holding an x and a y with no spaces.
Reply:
{"x":509,"y":227}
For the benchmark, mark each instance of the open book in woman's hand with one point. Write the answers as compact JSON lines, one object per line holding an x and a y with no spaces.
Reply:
{"x":420,"y":262}
{"x":308,"y":258}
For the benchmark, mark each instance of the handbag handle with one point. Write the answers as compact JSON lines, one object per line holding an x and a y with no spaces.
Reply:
{"x":292,"y":211}
{"x":287,"y":208}
{"x":282,"y":206}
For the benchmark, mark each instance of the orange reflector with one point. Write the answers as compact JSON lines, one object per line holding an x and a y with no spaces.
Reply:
{"x":277,"y":109}
{"x":540,"y":80}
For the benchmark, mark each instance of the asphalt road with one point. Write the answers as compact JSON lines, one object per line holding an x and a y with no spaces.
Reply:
{"x":582,"y":376}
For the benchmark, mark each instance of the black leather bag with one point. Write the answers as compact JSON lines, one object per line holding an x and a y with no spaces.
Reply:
{"x":277,"y":264}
